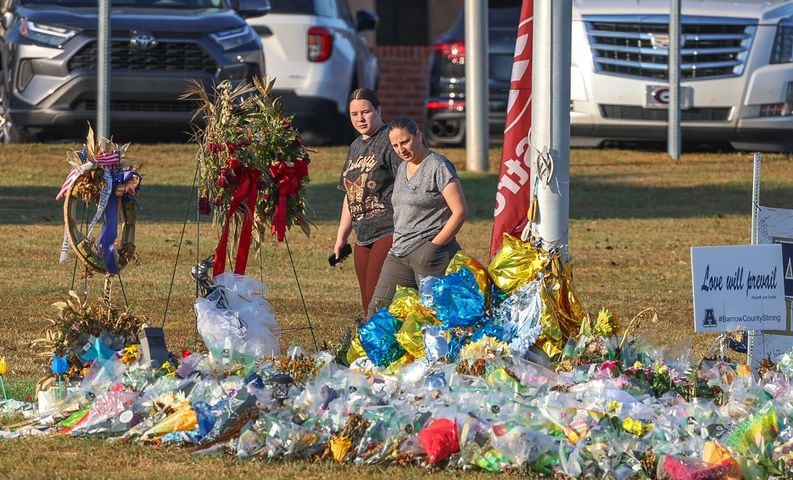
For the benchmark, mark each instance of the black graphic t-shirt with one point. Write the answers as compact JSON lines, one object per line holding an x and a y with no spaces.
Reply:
{"x":368,"y":180}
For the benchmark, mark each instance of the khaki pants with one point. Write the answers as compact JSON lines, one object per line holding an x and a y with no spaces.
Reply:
{"x":427,"y":260}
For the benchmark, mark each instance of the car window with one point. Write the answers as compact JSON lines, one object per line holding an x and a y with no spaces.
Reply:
{"x":504,"y":4}
{"x":345,"y":13}
{"x":327,"y":8}
{"x":137,"y":3}
{"x":320,"y":8}
{"x":301,"y":7}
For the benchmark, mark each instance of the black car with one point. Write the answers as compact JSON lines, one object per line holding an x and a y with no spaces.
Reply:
{"x":444,"y":110}
{"x":49,"y":61}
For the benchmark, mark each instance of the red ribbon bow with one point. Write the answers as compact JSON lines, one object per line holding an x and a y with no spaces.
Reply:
{"x":247,"y":190}
{"x":287,"y":176}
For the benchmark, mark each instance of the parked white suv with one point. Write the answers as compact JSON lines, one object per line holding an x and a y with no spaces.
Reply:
{"x":318,"y":54}
{"x":736,"y":72}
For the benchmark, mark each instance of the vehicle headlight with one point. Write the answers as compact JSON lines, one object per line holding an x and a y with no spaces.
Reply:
{"x":235,"y":37}
{"x":46,"y":34}
{"x":783,"y":43}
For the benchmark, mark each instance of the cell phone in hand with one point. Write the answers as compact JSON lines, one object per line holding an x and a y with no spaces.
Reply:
{"x":346,"y":250}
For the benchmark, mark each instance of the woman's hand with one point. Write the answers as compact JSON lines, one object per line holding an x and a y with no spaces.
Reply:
{"x":345,"y":227}
{"x":453,"y":195}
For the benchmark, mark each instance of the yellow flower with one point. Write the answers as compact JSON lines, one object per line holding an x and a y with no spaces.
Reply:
{"x":3,"y":366}
{"x":636,"y":427}
{"x":637,"y":365}
{"x":606,"y":323}
{"x":168,"y":370}
{"x":130,"y":355}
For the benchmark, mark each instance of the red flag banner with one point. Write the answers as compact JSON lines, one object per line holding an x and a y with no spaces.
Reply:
{"x":513,"y":193}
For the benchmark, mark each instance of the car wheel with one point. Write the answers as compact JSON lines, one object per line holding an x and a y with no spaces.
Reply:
{"x":9,"y":133}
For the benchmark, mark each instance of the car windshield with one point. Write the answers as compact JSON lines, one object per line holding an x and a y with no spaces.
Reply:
{"x":130,"y":3}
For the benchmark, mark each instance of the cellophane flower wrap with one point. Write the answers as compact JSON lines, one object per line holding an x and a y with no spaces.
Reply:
{"x":253,"y":166}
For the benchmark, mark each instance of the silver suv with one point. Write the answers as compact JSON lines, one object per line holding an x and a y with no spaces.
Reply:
{"x":49,"y":54}
{"x":318,"y":54}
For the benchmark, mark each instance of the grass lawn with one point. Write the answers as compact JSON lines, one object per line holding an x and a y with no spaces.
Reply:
{"x":634,"y":216}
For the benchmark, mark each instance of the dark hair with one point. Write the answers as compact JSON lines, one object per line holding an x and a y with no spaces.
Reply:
{"x":364,"y":94}
{"x":407,"y":124}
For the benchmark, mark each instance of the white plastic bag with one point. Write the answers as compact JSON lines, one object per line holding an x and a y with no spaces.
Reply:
{"x":235,"y":318}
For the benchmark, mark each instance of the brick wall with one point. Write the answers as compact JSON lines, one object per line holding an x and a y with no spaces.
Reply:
{"x":403,"y":80}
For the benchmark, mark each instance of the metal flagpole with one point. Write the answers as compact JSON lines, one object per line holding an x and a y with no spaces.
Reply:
{"x":755,"y":237}
{"x":550,"y":121}
{"x":103,"y":70}
{"x":477,"y":127}
{"x":673,"y":141}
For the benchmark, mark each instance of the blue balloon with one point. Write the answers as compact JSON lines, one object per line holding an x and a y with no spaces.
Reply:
{"x":456,"y":343}
{"x":458,"y":300}
{"x":489,"y":329}
{"x":378,"y":338}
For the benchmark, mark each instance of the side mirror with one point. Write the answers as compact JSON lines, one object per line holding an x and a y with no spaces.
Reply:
{"x":251,"y":8}
{"x":365,"y":20}
{"x":7,"y":19}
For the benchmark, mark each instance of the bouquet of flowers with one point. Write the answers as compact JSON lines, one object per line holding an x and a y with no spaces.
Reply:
{"x":79,"y":325}
{"x":253,"y":165}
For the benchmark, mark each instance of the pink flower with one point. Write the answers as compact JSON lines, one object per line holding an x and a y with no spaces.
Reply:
{"x":621,"y":382}
{"x":608,"y":369}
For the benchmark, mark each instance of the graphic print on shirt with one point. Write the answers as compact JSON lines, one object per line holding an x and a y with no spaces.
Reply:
{"x":362,"y":197}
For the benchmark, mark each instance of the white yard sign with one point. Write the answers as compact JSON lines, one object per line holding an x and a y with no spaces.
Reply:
{"x":775,"y":226}
{"x":738,"y":287}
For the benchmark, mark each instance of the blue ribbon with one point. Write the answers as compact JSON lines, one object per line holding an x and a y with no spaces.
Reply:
{"x":107,"y":238}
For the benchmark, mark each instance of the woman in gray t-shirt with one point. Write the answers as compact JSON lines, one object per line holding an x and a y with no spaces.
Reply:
{"x":429,"y":210}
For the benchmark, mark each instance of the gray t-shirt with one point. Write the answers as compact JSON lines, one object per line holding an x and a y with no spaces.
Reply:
{"x":367,"y":179}
{"x":420,"y":211}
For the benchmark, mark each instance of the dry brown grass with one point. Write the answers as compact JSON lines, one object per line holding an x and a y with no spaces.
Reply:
{"x":634,"y":216}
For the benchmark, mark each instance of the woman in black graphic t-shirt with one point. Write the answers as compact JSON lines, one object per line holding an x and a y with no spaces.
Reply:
{"x":367,"y":179}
